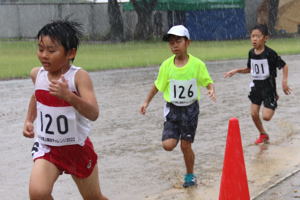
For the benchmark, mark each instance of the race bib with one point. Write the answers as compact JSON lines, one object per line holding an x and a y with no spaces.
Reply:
{"x":55,"y":128}
{"x":260,"y":69}
{"x":183,"y":92}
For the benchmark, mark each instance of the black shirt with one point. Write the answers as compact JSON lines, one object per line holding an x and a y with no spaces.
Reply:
{"x":264,"y":67}
{"x":259,"y":63}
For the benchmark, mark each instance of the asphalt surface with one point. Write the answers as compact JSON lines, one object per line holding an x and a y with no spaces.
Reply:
{"x":287,"y":188}
{"x":133,"y":165}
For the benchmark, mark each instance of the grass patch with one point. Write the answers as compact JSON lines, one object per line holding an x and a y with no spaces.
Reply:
{"x":18,"y":57}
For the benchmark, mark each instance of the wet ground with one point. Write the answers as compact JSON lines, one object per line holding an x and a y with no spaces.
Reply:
{"x":133,"y":166}
{"x":287,"y":188}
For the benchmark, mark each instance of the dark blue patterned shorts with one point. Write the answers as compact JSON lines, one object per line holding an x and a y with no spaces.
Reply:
{"x":181,"y":122}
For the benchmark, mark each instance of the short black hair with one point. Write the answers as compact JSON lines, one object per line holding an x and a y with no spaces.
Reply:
{"x":166,"y":37}
{"x":67,"y":33}
{"x":262,"y":28}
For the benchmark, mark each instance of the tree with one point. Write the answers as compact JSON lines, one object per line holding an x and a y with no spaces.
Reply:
{"x":42,"y":1}
{"x":267,"y":14}
{"x":8,"y":1}
{"x":273,"y":11}
{"x":115,"y":20}
{"x":144,"y":9}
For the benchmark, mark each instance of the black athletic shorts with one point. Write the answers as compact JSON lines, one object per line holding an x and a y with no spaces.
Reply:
{"x":266,"y":95}
{"x":181,"y":122}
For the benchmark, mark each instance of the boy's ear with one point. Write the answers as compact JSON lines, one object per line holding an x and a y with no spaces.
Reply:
{"x":188,"y":42}
{"x":266,"y":37}
{"x":72,"y":53}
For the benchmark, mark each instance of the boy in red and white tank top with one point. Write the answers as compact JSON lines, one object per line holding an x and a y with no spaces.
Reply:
{"x":62,"y":105}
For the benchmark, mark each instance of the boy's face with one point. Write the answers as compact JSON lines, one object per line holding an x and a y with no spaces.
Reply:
{"x":52,"y":54}
{"x":258,"y":40}
{"x":178,"y":45}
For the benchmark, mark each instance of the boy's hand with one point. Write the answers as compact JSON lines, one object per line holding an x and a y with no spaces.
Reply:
{"x":28,"y":130}
{"x":144,"y":108}
{"x":212,"y":95}
{"x":230,"y":73}
{"x":286,"y":89}
{"x":59,"y":88}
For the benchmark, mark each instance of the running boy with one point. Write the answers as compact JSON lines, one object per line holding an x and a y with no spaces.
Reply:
{"x":62,"y":105}
{"x":262,"y":64}
{"x":179,"y":79}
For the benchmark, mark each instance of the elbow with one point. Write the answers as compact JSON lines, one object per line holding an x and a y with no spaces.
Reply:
{"x":91,"y":113}
{"x":94,"y":116}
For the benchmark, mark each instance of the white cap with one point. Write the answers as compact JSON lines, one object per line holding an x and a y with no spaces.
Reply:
{"x":178,"y":30}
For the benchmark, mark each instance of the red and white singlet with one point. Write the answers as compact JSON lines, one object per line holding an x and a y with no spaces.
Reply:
{"x":58,"y":123}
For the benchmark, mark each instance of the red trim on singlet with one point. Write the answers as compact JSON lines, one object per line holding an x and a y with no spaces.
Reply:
{"x":44,"y":97}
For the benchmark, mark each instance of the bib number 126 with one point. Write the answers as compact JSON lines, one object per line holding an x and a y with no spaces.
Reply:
{"x":183,"y":92}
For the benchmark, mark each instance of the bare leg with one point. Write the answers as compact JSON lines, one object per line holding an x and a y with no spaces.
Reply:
{"x":89,"y":187}
{"x":169,"y":144}
{"x":267,"y":114}
{"x":43,"y":176}
{"x":256,"y":119}
{"x":189,"y":156}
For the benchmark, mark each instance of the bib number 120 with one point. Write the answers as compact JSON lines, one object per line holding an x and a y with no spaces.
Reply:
{"x":61,"y":121}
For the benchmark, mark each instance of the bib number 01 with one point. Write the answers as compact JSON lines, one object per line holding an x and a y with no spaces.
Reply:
{"x":260,"y":69}
{"x":61,"y":122}
{"x":257,"y":69}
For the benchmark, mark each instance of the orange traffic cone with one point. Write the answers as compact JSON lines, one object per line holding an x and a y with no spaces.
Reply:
{"x":234,"y":185}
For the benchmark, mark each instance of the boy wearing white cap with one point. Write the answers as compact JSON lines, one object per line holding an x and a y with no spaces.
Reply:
{"x":179,"y":79}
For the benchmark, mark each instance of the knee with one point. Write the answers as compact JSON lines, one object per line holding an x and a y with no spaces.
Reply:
{"x":267,"y":114}
{"x":39,"y":191}
{"x":92,"y":193}
{"x":185,"y":146}
{"x":168,"y":147}
{"x":254,"y":115}
{"x":267,"y":118}
{"x":39,"y":194}
{"x":169,"y":144}
{"x":93,"y":197}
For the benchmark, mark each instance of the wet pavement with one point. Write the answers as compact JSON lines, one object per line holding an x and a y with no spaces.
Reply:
{"x":287,"y":188}
{"x":133,"y":166}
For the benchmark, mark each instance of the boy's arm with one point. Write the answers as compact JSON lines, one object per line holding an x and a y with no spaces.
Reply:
{"x":286,"y":89}
{"x":28,"y":129}
{"x":150,"y":95}
{"x":239,"y":70}
{"x":85,"y":102}
{"x":211,"y":91}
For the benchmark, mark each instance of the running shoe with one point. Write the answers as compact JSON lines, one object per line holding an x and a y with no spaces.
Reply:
{"x":263,"y":138}
{"x":189,"y":180}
